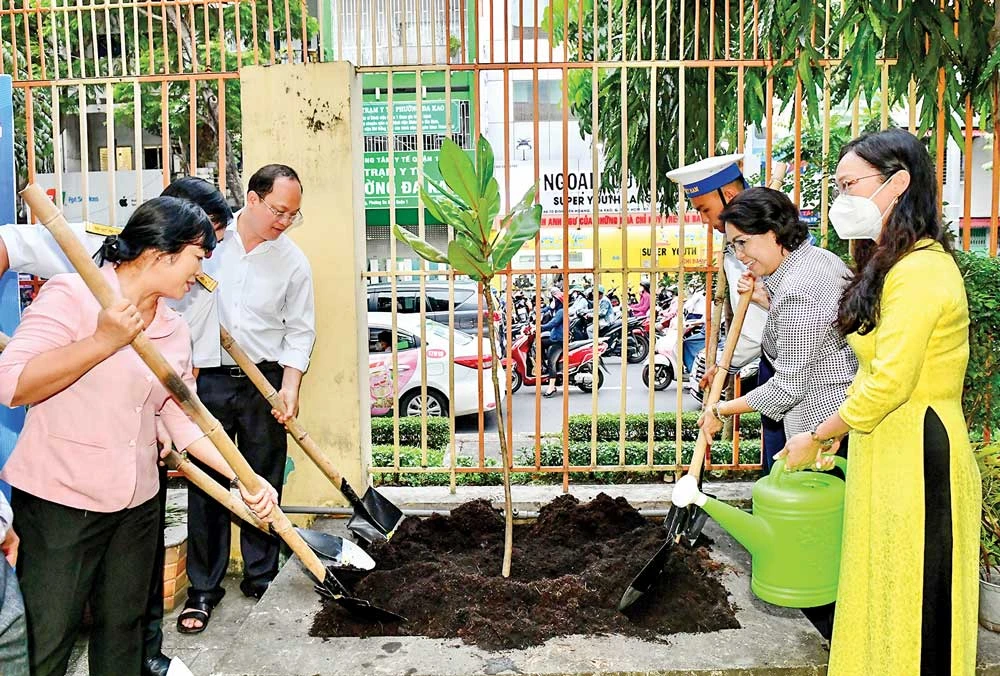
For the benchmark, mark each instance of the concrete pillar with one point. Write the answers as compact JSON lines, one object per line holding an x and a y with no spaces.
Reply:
{"x":309,"y":117}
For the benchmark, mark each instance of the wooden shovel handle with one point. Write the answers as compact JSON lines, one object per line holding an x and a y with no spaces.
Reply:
{"x":47,"y":212}
{"x":294,"y":427}
{"x":718,"y":299}
{"x":199,"y":478}
{"x":719,"y":382}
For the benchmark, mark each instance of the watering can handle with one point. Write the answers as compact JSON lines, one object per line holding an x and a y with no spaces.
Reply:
{"x":838,"y":461}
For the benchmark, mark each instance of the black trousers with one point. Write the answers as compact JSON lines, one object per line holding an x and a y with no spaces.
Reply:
{"x":152,"y":633}
{"x":772,"y":432}
{"x":246,"y":417}
{"x":68,"y":557}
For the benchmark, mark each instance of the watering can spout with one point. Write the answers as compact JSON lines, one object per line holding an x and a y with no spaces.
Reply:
{"x":751,"y":531}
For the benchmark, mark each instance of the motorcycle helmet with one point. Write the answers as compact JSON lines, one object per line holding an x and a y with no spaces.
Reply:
{"x":557,"y":294}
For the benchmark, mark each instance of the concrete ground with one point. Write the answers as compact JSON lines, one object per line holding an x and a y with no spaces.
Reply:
{"x":270,"y":637}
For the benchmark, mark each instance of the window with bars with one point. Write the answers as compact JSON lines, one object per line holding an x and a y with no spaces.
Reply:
{"x":522,"y":19}
{"x":379,"y":143}
{"x":549,"y":100}
{"x":397,"y":23}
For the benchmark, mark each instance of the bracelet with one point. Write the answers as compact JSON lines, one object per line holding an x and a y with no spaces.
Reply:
{"x":234,"y":483}
{"x":719,"y":414}
{"x":824,"y":444}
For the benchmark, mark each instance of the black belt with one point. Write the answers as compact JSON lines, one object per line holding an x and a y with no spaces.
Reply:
{"x":236,"y":371}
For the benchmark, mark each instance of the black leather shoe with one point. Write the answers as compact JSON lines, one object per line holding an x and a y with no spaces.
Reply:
{"x":156,"y":665}
{"x":253,"y":591}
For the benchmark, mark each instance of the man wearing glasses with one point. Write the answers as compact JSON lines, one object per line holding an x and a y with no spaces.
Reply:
{"x":710,"y":185}
{"x":265,"y":300}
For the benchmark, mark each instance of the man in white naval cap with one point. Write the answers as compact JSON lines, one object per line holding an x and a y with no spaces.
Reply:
{"x":710,"y":185}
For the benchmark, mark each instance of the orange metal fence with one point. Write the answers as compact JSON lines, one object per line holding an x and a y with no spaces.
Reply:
{"x":164,"y":74}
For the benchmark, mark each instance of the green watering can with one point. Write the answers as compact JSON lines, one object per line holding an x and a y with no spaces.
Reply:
{"x":793,"y":534}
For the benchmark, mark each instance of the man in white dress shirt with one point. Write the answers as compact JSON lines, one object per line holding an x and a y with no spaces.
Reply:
{"x":265,"y":300}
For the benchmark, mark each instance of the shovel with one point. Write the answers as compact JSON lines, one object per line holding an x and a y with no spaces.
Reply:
{"x":683,"y":522}
{"x":338,"y":551}
{"x":327,"y":583}
{"x":375,"y":517}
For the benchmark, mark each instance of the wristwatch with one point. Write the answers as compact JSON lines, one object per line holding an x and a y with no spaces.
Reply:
{"x":824,"y":444}
{"x":234,"y":482}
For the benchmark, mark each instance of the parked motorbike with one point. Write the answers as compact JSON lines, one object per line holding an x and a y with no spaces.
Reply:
{"x":665,"y":361}
{"x":748,"y":376}
{"x":637,"y":336}
{"x":525,"y":367}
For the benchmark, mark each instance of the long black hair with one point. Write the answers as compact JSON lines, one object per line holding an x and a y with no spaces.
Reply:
{"x":166,"y":224}
{"x":914,"y":217}
{"x":759,"y":210}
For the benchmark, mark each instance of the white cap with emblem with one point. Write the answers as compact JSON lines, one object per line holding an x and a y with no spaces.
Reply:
{"x":707,"y":175}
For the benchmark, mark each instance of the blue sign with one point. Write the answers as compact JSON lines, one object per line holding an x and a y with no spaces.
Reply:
{"x":11,"y":420}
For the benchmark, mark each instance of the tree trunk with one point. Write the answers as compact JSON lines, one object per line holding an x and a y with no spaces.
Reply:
{"x":508,"y":540}
{"x":209,"y":114}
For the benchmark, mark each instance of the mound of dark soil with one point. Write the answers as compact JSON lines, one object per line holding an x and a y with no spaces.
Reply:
{"x":569,"y":570}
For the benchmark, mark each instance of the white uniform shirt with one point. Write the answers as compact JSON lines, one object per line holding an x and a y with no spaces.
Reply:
{"x":32,"y":250}
{"x":264,"y":299}
{"x":748,"y":346}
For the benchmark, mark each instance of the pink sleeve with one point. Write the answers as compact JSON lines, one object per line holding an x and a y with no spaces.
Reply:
{"x":183,"y":431}
{"x":50,"y":322}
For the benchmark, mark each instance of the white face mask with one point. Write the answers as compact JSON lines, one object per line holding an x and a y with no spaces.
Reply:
{"x":858,"y":217}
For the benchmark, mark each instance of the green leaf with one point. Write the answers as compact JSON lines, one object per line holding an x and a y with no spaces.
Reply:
{"x":459,"y":173}
{"x":422,"y":248}
{"x":527,"y":200}
{"x":463,"y":257}
{"x":446,"y":193}
{"x":432,"y":205}
{"x":991,"y":67}
{"x":489,"y":207}
{"x":524,"y":225}
{"x":484,"y":165}
{"x":461,"y":219}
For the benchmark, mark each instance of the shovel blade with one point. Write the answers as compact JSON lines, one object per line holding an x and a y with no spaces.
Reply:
{"x":647,"y":577}
{"x":364,"y":610}
{"x":332,"y":589}
{"x":337,"y":551}
{"x":379,"y":522}
{"x":696,"y":520}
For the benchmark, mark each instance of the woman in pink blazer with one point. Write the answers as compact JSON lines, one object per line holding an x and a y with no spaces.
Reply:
{"x":84,"y":470}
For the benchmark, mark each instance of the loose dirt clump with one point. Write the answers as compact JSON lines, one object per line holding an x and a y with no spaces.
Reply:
{"x":569,"y":570}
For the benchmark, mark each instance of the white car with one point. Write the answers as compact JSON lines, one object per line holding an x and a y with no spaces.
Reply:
{"x":409,"y":355}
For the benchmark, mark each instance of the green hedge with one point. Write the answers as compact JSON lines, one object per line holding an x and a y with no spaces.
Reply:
{"x":664,"y":427}
{"x":607,"y":454}
{"x":438,"y":434}
{"x":982,"y":377}
{"x":411,"y":457}
{"x":635,"y":453}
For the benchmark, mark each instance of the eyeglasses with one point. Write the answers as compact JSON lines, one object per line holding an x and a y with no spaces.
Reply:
{"x":291,"y":218}
{"x":738,"y":245}
{"x":844,"y":187}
